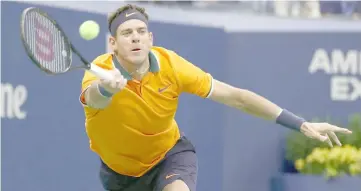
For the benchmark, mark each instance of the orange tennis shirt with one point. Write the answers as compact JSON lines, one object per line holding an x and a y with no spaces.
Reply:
{"x":136,"y":130}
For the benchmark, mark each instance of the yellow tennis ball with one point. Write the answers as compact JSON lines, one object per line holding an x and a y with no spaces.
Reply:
{"x":89,"y":30}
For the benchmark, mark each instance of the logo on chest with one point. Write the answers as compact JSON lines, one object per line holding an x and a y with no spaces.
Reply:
{"x":160,"y":90}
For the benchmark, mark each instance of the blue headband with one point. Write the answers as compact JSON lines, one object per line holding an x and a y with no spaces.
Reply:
{"x":125,"y":16}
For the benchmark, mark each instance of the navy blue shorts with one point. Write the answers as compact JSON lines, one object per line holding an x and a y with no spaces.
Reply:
{"x":180,"y":163}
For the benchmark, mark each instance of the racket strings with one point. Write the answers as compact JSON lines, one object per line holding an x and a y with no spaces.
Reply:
{"x":46,"y":42}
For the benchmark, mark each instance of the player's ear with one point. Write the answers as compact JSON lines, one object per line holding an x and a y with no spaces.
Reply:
{"x":111,"y":40}
{"x":112,"y":43}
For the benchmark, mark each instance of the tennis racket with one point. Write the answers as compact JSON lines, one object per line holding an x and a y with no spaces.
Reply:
{"x":49,"y":48}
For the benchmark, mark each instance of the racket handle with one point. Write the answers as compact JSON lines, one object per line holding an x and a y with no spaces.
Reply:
{"x":100,"y":72}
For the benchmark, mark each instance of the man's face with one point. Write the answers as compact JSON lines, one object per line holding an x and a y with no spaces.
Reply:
{"x":133,"y":41}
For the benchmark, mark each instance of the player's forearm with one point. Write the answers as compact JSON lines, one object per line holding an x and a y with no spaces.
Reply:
{"x":255,"y":104}
{"x":244,"y":100}
{"x":94,"y":97}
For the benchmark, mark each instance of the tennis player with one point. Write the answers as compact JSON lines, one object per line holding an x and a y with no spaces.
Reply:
{"x":130,"y":119}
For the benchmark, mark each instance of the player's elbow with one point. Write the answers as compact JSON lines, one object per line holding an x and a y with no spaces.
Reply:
{"x":228,"y":95}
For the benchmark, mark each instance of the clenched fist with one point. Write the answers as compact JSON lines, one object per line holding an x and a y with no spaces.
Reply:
{"x":116,"y":84}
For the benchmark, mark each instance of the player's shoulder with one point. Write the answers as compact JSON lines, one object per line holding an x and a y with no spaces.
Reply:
{"x":104,"y":60}
{"x":167,"y":58}
{"x":161,"y":51}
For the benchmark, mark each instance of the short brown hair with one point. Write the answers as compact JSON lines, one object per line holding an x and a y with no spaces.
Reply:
{"x":124,"y":8}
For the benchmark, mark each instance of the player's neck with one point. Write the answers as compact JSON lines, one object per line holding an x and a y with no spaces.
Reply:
{"x":136,"y":71}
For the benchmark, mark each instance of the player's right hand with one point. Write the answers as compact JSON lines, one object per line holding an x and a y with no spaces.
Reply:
{"x":116,"y":84}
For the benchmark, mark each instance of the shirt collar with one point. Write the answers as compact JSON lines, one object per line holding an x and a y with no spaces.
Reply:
{"x":153,"y":62}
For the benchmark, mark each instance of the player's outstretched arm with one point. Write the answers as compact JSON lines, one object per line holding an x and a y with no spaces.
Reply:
{"x":259,"y":106}
{"x":98,"y":95}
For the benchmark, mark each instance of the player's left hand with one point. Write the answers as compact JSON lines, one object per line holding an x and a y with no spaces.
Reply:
{"x":323,"y":132}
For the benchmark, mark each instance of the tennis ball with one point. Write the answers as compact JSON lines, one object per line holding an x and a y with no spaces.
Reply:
{"x":89,"y":30}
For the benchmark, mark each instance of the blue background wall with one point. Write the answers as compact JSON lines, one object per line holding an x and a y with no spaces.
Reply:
{"x":48,"y":150}
{"x":275,"y":65}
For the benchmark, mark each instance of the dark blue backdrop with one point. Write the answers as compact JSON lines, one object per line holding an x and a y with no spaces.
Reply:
{"x":275,"y":65}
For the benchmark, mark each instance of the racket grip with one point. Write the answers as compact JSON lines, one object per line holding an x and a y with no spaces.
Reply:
{"x":100,"y":72}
